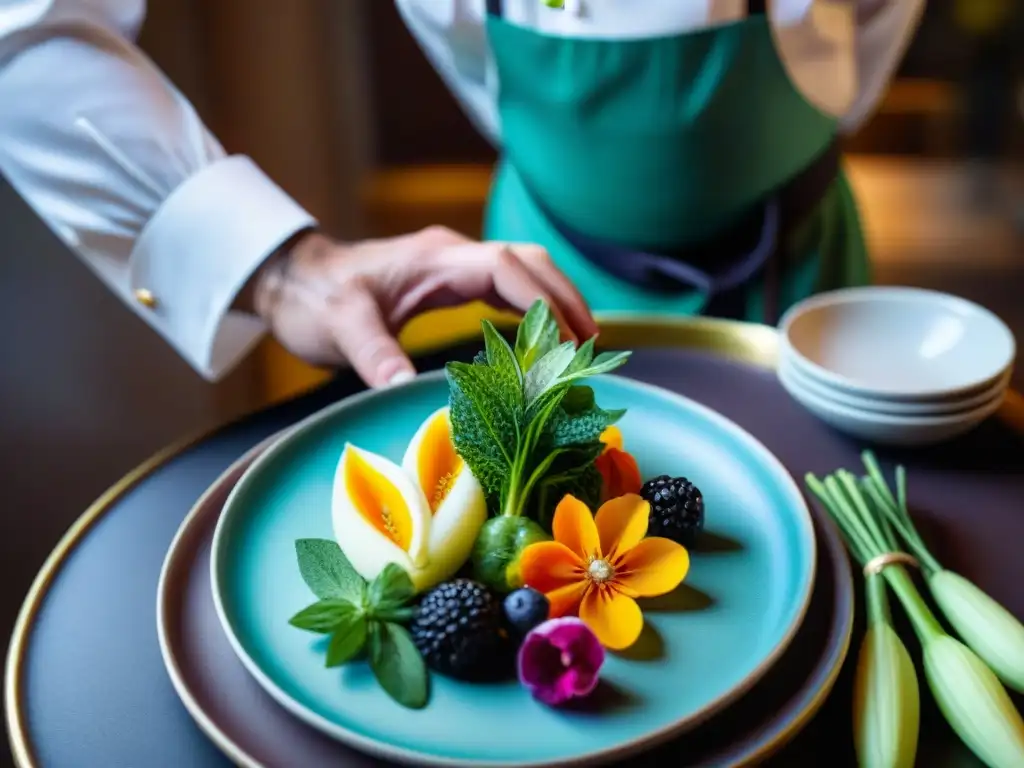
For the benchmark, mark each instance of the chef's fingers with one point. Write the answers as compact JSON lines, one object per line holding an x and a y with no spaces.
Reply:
{"x":518,"y":287}
{"x":489,"y":272}
{"x":363,"y":338}
{"x":569,"y":300}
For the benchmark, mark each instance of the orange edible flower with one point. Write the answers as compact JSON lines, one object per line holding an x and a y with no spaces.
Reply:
{"x":598,"y":565}
{"x":619,"y":471}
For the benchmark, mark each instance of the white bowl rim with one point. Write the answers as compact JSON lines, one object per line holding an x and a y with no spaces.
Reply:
{"x":887,"y":406}
{"x":978,"y":414}
{"x":892,"y":293}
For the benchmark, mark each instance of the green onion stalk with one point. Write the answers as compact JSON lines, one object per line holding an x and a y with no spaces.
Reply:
{"x":991,"y":631}
{"x":886,"y":698}
{"x":968,"y":693}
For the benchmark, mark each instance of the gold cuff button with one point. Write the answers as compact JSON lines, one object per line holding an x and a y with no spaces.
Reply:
{"x":145,"y":298}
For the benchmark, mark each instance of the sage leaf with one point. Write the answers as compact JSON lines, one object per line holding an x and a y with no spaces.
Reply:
{"x":546,"y":371}
{"x":397,"y":665}
{"x":348,"y":640}
{"x":583,"y":358}
{"x":536,"y":336}
{"x":606,"y":362}
{"x":326,"y":570}
{"x":324,"y":615}
{"x":391,"y":590}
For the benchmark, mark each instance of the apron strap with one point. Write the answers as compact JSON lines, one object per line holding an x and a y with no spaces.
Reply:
{"x":723,"y":267}
{"x":496,"y":8}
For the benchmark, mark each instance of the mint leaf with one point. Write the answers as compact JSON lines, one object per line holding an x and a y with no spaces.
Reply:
{"x":583,"y":358}
{"x":583,"y":481}
{"x":502,"y":361}
{"x":347,"y":640}
{"x":536,"y":336}
{"x":546,"y":371}
{"x":606,"y":362}
{"x":397,"y":665}
{"x":518,"y":419}
{"x":485,"y":426}
{"x":326,"y":570}
{"x":324,"y":615}
{"x":577,"y":400}
{"x":581,"y":427}
{"x":391,"y":590}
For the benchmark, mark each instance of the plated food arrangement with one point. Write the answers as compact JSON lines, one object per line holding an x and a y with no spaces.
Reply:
{"x":521,"y":537}
{"x":515,"y":537}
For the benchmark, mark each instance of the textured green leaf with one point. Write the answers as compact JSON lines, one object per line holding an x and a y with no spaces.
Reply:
{"x":582,"y":481}
{"x":606,"y":362}
{"x":326,"y":570}
{"x":536,"y":336}
{"x":398,"y":666}
{"x":347,"y":640}
{"x":581,"y":428}
{"x":502,"y":360}
{"x":485,"y":427}
{"x":519,"y":422}
{"x":583,"y":358}
{"x":578,"y":400}
{"x":391,"y":590}
{"x":547,"y":371}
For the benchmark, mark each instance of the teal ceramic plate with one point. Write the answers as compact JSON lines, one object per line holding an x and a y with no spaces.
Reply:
{"x":748,"y":587}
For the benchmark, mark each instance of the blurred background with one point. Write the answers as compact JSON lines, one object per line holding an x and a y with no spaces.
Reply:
{"x":337,"y":103}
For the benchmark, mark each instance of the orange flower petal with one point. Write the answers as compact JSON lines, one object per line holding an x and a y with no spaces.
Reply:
{"x":612,"y":437}
{"x":620,"y":473}
{"x":653,"y":567}
{"x":614,"y":617}
{"x":621,"y":524}
{"x":574,"y":527}
{"x":548,"y":565}
{"x":565,"y":601}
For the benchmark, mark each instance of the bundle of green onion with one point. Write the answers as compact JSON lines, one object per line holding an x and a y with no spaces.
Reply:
{"x":963,"y":680}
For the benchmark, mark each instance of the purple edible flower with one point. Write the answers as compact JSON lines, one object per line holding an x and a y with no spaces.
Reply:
{"x":560,"y":660}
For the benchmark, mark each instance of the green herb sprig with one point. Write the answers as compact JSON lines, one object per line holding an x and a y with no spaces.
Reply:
{"x":363,"y":620}
{"x":529,"y":433}
{"x":967,"y":691}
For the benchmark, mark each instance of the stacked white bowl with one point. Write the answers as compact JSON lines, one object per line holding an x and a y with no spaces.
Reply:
{"x":896,"y":366}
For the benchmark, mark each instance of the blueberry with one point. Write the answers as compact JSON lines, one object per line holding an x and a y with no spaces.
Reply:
{"x":525,"y":609}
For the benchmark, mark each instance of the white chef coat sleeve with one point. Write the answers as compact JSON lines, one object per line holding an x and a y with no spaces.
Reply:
{"x":843,"y":55}
{"x":453,"y":37}
{"x":116,"y":161}
{"x":882,"y":39}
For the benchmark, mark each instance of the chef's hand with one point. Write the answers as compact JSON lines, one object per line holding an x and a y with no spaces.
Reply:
{"x":329,"y":302}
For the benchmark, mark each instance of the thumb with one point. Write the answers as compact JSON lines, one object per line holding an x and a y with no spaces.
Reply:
{"x":364,"y":339}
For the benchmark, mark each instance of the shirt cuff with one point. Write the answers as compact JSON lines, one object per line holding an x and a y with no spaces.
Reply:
{"x":197,"y":252}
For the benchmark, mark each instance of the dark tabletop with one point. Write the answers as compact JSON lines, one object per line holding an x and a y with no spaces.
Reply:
{"x":96,"y":693}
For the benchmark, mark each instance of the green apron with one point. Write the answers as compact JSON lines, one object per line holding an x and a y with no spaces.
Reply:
{"x":663,"y":144}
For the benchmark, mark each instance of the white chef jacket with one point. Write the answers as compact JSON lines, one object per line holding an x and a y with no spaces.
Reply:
{"x":116,"y":161}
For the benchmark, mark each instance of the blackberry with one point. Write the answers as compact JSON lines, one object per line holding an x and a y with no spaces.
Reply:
{"x":459,"y":630}
{"x":677,"y":509}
